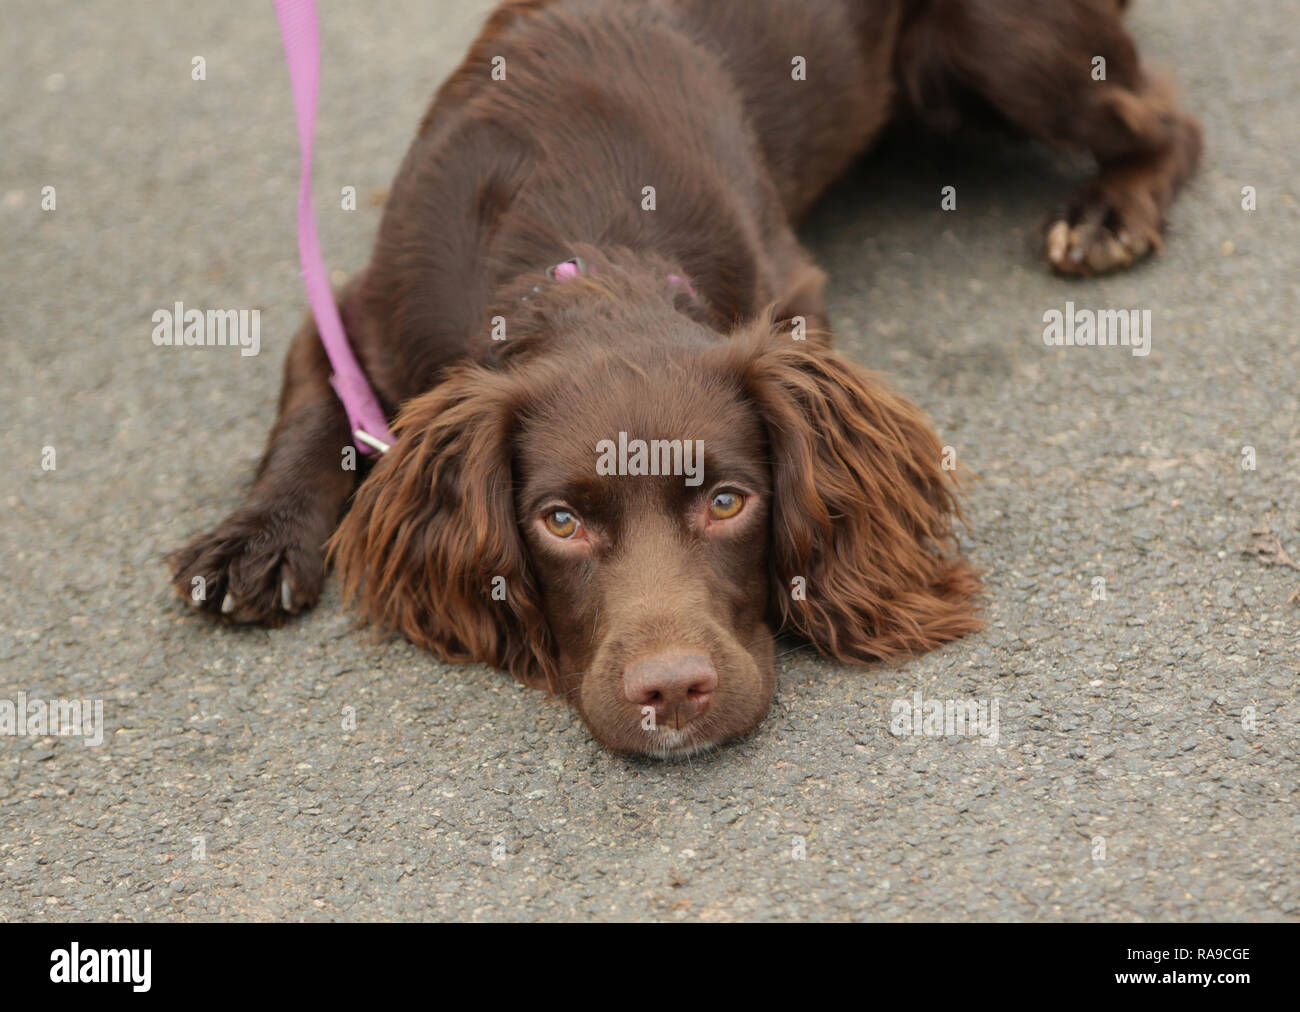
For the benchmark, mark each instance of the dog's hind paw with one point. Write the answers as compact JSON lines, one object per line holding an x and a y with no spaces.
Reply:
{"x":1102,"y":232}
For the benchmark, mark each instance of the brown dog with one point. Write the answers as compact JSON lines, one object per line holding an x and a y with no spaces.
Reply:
{"x":663,"y":463}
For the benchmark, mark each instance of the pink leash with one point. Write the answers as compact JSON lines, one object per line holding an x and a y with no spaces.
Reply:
{"x":302,"y":53}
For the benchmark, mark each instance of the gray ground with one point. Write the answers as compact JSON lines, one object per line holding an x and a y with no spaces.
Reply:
{"x":1123,"y":784}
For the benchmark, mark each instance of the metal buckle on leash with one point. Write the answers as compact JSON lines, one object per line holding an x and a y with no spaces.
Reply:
{"x":362,"y":436}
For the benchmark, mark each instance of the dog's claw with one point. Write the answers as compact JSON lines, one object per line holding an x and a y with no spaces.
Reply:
{"x":228,"y":603}
{"x":1117,"y":253}
{"x":1088,"y":248}
{"x":286,"y":595}
{"x":1058,"y":241}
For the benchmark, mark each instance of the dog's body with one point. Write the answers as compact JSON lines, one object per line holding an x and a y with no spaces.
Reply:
{"x":672,"y":145}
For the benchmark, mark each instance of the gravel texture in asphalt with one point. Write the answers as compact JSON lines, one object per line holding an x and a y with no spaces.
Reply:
{"x":1145,"y":762}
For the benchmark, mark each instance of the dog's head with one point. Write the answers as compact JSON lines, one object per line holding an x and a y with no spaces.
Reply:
{"x":629,"y":521}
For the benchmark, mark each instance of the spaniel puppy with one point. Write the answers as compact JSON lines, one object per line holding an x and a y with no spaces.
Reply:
{"x":617,"y":478}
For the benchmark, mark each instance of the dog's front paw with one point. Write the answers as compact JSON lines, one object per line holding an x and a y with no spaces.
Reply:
{"x":1103,"y":230}
{"x":258,"y":565}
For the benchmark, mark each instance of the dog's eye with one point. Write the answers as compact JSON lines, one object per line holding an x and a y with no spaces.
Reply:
{"x":561,"y":523}
{"x":725,"y":505}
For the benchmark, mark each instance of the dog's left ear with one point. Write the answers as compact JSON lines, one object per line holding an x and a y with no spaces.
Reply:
{"x":864,"y":557}
{"x":430,"y":547}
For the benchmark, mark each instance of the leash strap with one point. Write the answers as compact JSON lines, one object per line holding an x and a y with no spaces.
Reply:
{"x":366,"y":419}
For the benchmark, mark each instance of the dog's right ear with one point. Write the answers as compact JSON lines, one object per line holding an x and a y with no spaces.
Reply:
{"x":431,"y":547}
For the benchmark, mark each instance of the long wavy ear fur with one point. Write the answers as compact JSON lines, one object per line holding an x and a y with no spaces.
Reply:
{"x":862,"y":507}
{"x":433,"y":527}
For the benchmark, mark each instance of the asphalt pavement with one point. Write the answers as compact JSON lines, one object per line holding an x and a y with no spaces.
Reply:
{"x":1144,"y":766}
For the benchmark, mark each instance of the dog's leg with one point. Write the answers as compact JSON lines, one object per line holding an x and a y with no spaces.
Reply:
{"x":801,"y":302}
{"x":266,"y":560}
{"x":1067,"y":72}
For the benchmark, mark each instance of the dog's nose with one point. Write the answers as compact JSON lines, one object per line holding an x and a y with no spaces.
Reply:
{"x":678,"y":686}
